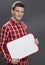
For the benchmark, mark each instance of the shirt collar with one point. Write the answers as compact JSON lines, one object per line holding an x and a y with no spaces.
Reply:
{"x":14,"y":22}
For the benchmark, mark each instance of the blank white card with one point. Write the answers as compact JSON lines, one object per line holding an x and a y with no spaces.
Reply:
{"x":22,"y":47}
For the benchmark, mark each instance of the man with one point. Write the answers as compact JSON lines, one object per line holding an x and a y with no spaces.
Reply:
{"x":13,"y":30}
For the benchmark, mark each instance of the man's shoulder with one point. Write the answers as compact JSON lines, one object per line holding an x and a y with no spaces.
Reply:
{"x":24,"y":25}
{"x":5,"y":26}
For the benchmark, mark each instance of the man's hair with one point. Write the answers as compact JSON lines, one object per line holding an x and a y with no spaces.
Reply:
{"x":18,"y":3}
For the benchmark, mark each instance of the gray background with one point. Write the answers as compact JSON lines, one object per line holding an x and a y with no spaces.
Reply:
{"x":35,"y":19}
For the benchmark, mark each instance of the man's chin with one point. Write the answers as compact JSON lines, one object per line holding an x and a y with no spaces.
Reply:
{"x":19,"y":19}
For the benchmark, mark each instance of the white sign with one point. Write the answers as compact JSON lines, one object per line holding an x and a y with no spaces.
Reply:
{"x":22,"y":47}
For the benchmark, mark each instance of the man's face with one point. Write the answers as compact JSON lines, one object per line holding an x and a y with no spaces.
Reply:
{"x":18,"y":12}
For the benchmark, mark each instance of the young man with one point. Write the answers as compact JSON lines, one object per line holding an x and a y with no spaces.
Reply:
{"x":12,"y":30}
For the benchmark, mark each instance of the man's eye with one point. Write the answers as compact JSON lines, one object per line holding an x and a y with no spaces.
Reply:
{"x":17,"y":11}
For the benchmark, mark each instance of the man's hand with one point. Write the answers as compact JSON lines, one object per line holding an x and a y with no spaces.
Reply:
{"x":36,"y":41}
{"x":15,"y":61}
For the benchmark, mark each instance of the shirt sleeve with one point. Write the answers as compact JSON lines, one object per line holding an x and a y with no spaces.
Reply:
{"x":0,"y":41}
{"x":3,"y":39}
{"x":25,"y":26}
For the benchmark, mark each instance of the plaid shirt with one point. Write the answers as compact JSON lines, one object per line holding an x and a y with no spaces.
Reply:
{"x":9,"y":32}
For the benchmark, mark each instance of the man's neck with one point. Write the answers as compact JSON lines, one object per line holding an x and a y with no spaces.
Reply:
{"x":14,"y":19}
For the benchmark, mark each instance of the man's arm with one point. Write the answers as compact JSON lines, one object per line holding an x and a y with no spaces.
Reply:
{"x":3,"y":39}
{"x":4,"y":51}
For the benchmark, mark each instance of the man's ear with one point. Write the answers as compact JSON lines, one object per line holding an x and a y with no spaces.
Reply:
{"x":11,"y":11}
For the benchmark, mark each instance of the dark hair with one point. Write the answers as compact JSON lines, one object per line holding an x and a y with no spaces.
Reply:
{"x":18,"y":3}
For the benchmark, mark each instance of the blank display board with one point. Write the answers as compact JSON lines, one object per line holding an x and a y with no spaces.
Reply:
{"x":22,"y":47}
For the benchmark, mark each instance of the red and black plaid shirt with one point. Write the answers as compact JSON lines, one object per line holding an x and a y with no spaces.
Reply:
{"x":9,"y":32}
